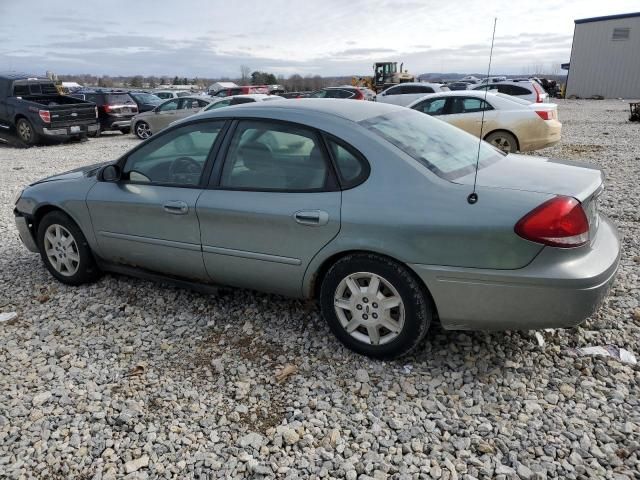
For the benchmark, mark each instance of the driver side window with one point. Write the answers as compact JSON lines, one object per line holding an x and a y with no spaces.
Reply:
{"x":174,"y":158}
{"x":167,"y":106}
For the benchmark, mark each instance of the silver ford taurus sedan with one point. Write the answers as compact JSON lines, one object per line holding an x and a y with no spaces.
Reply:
{"x":365,"y":207}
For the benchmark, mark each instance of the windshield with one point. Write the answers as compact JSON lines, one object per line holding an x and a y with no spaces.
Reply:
{"x":447,"y":151}
{"x":147,"y":98}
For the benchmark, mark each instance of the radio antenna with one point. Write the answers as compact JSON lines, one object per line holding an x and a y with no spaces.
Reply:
{"x":473,"y":196}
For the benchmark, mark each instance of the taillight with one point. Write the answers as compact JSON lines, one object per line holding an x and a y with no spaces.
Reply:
{"x":545,"y":114}
{"x":45,"y":115}
{"x":359,"y":96}
{"x":107,"y":108}
{"x":538,"y":90}
{"x":559,"y":222}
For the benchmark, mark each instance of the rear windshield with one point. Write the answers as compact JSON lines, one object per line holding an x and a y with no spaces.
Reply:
{"x":118,"y":98}
{"x":447,"y":151}
{"x":147,"y":98}
{"x":24,"y":89}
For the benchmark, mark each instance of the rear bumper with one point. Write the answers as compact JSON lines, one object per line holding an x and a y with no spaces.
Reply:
{"x":545,"y":134}
{"x":69,"y":131}
{"x":559,"y":288}
{"x":22,"y":224}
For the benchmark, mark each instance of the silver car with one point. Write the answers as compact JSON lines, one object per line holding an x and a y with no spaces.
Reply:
{"x":368,"y":208}
{"x":147,"y":123}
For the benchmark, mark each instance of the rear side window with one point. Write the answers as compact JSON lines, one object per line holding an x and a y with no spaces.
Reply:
{"x":271,"y":156}
{"x":417,"y":89}
{"x":241,"y":100}
{"x":393,"y":91}
{"x":473,"y":105}
{"x":352,"y":168}
{"x":434,"y":106}
{"x":21,"y":90}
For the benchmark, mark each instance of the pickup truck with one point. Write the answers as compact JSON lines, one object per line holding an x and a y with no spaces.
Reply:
{"x":31,"y":107}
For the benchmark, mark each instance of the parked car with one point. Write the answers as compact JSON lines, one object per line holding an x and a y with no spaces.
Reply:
{"x":115,"y":108}
{"x":243,"y":90}
{"x":510,"y":124}
{"x":368,"y":94}
{"x":239,"y":100}
{"x":525,"y":89}
{"x":167,"y":94}
{"x":146,"y":124}
{"x":361,"y":206}
{"x":488,"y":80}
{"x":405,"y":93}
{"x":351,"y":93}
{"x":458,"y":85}
{"x":31,"y":107}
{"x":145,"y":101}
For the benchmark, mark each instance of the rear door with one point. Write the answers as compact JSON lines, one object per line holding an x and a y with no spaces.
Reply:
{"x":148,"y":219}
{"x":273,"y":204}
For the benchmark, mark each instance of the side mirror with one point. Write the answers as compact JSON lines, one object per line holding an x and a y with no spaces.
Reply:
{"x":111,"y":173}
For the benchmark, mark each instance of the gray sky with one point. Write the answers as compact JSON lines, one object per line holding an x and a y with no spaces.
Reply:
{"x":326,"y":37}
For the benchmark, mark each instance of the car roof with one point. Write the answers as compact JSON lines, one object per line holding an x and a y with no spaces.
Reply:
{"x":420,"y":84}
{"x":313,"y":107}
{"x":255,"y":96}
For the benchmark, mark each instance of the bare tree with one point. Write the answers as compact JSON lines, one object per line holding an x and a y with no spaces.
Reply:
{"x":244,"y":74}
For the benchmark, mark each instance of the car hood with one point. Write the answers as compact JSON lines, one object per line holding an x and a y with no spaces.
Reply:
{"x":78,"y":173}
{"x":539,"y":174}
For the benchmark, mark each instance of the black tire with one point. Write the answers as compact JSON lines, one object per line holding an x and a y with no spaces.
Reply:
{"x":87,"y":270}
{"x":125,"y":131}
{"x":26,"y":132}
{"x":418,"y":311}
{"x":503,"y":140}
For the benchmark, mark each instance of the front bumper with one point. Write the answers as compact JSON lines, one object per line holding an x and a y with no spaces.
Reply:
{"x":22,"y":224}
{"x":559,"y":288}
{"x":70,"y":131}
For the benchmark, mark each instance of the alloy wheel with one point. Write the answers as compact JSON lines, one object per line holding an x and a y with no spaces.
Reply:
{"x":24,"y":131}
{"x":142,"y":130}
{"x":502,"y":143}
{"x":61,"y":250}
{"x":369,"y":308}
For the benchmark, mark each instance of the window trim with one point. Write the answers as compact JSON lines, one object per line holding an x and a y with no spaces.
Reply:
{"x":208,"y":163}
{"x":331,"y":185}
{"x":366,"y":166}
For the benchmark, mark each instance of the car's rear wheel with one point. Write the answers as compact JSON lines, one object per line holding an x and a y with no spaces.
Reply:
{"x":65,"y":251}
{"x":375,"y":306}
{"x":26,"y":132}
{"x":503,"y":140}
{"x":143,"y":131}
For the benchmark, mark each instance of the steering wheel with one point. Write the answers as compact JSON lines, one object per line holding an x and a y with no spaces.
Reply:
{"x":183,"y":167}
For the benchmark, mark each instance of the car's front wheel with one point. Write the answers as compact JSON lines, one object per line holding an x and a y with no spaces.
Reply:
{"x":65,"y":251}
{"x":375,"y":306}
{"x":143,"y":131}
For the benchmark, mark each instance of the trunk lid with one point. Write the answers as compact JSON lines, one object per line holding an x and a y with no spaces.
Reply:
{"x":539,"y":174}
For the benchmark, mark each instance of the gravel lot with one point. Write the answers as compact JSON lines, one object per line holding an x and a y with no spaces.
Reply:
{"x":130,"y":379}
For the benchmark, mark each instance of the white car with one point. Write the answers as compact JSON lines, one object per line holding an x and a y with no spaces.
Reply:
{"x":525,"y":89}
{"x":405,"y":93}
{"x":238,"y":99}
{"x":167,"y":94}
{"x":510,"y":124}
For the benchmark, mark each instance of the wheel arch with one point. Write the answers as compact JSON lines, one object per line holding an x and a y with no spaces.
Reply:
{"x":42,"y":210}
{"x":317,"y":276}
{"x":495,"y":130}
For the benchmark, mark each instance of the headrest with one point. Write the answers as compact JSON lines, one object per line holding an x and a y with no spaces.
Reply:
{"x":256,"y":156}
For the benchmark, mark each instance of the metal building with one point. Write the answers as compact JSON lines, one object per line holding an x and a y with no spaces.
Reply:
{"x":605,"y":57}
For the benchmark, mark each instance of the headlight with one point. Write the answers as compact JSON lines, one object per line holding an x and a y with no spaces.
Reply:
{"x":17,"y":195}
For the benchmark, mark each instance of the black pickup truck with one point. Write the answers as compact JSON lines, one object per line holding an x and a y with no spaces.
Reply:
{"x":31,"y":107}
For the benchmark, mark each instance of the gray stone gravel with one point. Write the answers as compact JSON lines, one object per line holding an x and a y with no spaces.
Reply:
{"x":130,"y":379}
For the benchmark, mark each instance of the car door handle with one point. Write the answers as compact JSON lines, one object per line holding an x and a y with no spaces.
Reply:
{"x":311,"y":217}
{"x":176,"y":208}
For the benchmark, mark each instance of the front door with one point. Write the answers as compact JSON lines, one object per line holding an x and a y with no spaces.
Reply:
{"x":164,"y":114}
{"x":274,"y":204}
{"x":148,"y":219}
